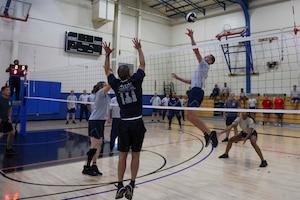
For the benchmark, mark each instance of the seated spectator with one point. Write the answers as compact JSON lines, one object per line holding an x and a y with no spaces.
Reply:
{"x":243,"y":97}
{"x":225,"y":92}
{"x":215,"y":92}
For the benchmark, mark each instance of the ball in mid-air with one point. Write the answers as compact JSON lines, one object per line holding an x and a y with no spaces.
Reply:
{"x":191,"y":17}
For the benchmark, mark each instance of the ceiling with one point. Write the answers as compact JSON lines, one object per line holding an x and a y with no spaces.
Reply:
{"x":179,"y":8}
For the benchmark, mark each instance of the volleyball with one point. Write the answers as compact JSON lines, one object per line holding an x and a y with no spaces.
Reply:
{"x":191,"y":17}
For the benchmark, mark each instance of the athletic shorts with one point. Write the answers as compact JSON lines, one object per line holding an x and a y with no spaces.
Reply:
{"x":96,"y":128}
{"x":71,"y":110}
{"x":174,"y":113}
{"x":251,"y":107}
{"x":132,"y":133}
{"x":229,"y":120}
{"x":154,"y":110}
{"x":279,"y":115}
{"x":243,"y":134}
{"x":6,"y":127}
{"x":295,"y":99}
{"x":195,"y":96}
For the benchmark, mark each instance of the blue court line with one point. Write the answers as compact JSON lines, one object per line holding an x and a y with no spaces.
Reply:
{"x":161,"y":177}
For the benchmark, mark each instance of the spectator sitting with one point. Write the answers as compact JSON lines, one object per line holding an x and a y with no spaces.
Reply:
{"x":215,"y":92}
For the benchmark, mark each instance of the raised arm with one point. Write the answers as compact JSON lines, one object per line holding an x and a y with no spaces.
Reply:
{"x":138,"y":46}
{"x":190,"y":33}
{"x":108,"y":51}
{"x":188,"y":81}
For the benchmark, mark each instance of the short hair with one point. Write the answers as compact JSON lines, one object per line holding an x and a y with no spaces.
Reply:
{"x":3,"y":88}
{"x":213,"y":59}
{"x":123,"y":72}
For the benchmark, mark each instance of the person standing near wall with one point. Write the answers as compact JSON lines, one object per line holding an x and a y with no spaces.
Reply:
{"x":156,"y":101}
{"x":295,"y":96}
{"x":164,"y":102}
{"x":267,"y":104}
{"x":71,"y":106}
{"x":5,"y":119}
{"x":83,"y":98}
{"x":279,"y":104}
{"x":252,"y":105}
{"x":14,"y":82}
{"x":115,"y":126}
{"x":229,"y":117}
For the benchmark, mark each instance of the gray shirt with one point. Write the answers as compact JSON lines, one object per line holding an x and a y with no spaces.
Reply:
{"x":231,"y":103}
{"x":200,"y":74}
{"x":101,"y":106}
{"x":245,"y":124}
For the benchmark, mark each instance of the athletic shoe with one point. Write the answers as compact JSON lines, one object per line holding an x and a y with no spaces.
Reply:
{"x":10,"y":152}
{"x":169,"y":128}
{"x":120,"y":193}
{"x":263,"y":163}
{"x":213,"y":138}
{"x":85,"y":169}
{"x":225,"y":139}
{"x":206,"y":137}
{"x":89,"y":171}
{"x":111,"y":153}
{"x":180,"y":129}
{"x":95,"y":168}
{"x":74,"y":122}
{"x":224,"y":156}
{"x":67,"y":122}
{"x":129,"y":191}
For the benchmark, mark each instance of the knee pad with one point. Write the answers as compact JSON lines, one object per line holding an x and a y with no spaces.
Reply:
{"x":91,"y":152}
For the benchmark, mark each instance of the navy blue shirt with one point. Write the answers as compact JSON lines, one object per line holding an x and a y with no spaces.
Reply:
{"x":5,"y":105}
{"x":129,"y":94}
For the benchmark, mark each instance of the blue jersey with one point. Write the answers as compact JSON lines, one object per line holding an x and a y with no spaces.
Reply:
{"x":5,"y":105}
{"x":129,"y":94}
{"x":175,"y":102}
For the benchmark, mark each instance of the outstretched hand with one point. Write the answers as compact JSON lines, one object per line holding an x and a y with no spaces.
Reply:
{"x":107,"y":48}
{"x":174,"y":76}
{"x":137,"y":43}
{"x":190,"y":33}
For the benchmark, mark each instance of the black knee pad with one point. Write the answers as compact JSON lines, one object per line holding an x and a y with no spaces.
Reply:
{"x":91,"y":152}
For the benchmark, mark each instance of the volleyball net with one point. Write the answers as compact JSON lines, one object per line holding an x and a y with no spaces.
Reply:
{"x":274,"y":59}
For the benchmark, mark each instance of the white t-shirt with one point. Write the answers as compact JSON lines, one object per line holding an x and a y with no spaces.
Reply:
{"x":252,"y":102}
{"x":155,"y":101}
{"x":84,"y":98}
{"x":101,"y":106}
{"x":115,"y":109}
{"x":72,"y":104}
{"x":200,"y":74}
{"x":164,"y":101}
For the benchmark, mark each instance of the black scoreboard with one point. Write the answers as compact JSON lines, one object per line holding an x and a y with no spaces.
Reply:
{"x":18,"y":70}
{"x":84,"y":44}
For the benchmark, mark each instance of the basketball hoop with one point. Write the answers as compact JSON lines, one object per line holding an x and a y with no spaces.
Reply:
{"x":228,"y":31}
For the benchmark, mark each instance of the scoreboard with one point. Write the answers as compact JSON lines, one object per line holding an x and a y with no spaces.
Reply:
{"x":83,"y":44}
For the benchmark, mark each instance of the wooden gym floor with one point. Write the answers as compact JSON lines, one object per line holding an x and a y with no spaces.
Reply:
{"x":173,"y":165}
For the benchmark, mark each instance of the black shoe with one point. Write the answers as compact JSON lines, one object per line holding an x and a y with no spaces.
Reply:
{"x":224,"y":156}
{"x":67,"y":122}
{"x":129,"y":191}
{"x":74,"y":122}
{"x":95,"y":168}
{"x":89,"y":171}
{"x":120,"y":193}
{"x":10,"y":152}
{"x":206,"y":137}
{"x":214,"y":139}
{"x":263,"y":163}
{"x":85,"y":169}
{"x":225,"y":140}
{"x":111,"y":153}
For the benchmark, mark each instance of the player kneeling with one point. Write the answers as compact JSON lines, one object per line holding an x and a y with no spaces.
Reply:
{"x":248,"y":132}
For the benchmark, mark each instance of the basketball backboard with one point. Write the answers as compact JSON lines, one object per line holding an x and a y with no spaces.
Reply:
{"x":15,"y":9}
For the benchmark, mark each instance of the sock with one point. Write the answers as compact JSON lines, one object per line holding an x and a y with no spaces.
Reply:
{"x":132,"y":183}
{"x":120,"y":185}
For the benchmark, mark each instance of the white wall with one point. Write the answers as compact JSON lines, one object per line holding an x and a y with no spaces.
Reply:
{"x":39,"y":42}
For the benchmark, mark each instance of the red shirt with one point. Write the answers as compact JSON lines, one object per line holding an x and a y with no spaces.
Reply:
{"x":267,"y":104}
{"x":278,"y":103}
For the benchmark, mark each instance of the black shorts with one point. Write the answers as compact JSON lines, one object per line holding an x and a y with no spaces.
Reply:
{"x":6,"y":127}
{"x":195,"y":97}
{"x":279,"y":115}
{"x":71,"y":110}
{"x":243,"y":134}
{"x":96,"y":128}
{"x":229,"y":120}
{"x":132,"y":133}
{"x":155,"y":110}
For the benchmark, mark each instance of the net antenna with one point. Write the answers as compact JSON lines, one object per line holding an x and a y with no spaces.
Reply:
{"x":15,"y":9}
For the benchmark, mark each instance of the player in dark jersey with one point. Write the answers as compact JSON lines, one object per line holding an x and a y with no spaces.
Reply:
{"x":174,"y":102}
{"x":128,"y":90}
